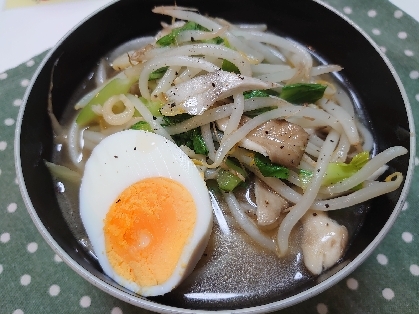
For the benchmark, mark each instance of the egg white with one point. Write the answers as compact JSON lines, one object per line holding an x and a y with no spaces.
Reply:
{"x":119,"y":161}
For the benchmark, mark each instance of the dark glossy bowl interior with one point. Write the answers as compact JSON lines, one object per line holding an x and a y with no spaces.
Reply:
{"x":327,"y":34}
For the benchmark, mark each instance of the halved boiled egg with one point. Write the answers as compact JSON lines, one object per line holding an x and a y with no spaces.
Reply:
{"x":146,"y":211}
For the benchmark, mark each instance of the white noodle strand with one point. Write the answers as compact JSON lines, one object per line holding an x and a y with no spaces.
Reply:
{"x":341,"y":152}
{"x":207,"y":136}
{"x":191,"y":35}
{"x":271,"y":55}
{"x":247,"y":225}
{"x":166,"y":81}
{"x":117,"y":118}
{"x":347,"y":122}
{"x":94,"y":137}
{"x":162,"y":61}
{"x":366,"y":136}
{"x":148,"y":117}
{"x":323,"y":69}
{"x":299,"y":209}
{"x":280,"y":42}
{"x":238,"y":109}
{"x":366,"y":171}
{"x":212,"y":50}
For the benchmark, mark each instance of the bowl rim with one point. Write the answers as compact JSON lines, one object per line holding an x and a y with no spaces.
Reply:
{"x":140,"y":301}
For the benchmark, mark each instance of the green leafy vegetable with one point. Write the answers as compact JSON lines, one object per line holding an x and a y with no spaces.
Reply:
{"x":339,"y":171}
{"x":229,"y":67}
{"x":216,"y":41}
{"x":157,"y":74}
{"x":192,"y":139}
{"x":170,"y":38}
{"x":269,"y":169}
{"x":172,"y":120}
{"x":260,"y":93}
{"x":301,"y":93}
{"x":256,"y":112}
{"x":114,"y":87}
{"x":228,"y":180}
{"x":198,"y":142}
{"x":142,"y":125}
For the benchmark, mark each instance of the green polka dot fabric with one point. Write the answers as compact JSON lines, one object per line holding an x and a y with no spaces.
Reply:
{"x":35,"y":280}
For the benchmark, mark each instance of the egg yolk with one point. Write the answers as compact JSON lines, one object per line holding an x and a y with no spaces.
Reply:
{"x":147,"y":228}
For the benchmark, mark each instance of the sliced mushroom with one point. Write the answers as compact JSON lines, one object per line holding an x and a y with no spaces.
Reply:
{"x":323,"y":241}
{"x":269,"y":204}
{"x":282,"y":141}
{"x":198,"y":94}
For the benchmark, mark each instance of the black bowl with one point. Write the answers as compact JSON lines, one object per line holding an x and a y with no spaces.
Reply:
{"x":380,"y":101}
